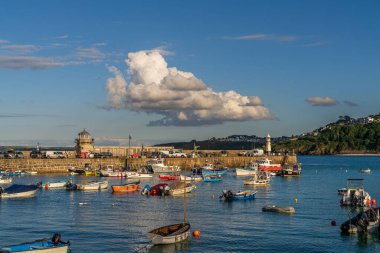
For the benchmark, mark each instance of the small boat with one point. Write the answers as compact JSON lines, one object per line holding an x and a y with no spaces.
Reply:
{"x":156,"y":190}
{"x":219,"y":171}
{"x":127,"y":187}
{"x":135,"y":174}
{"x":355,"y":194}
{"x":49,"y":185}
{"x":266,"y":165}
{"x":168,"y":177}
{"x":5,"y":180}
{"x":195,"y":178}
{"x":158,"y":166}
{"x":248,"y":170}
{"x":93,"y":186}
{"x":260,"y":178}
{"x":39,"y":246}
{"x":342,"y":191}
{"x":170,"y":234}
{"x":212,"y":178}
{"x":366,"y":221}
{"x":366,"y":171}
{"x":279,"y":209}
{"x":18,"y":191}
{"x":91,"y":172}
{"x":76,"y":171}
{"x":241,"y":195}
{"x":291,"y":170}
{"x":178,"y":188}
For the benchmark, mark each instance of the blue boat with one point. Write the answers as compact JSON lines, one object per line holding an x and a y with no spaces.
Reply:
{"x":214,"y":172}
{"x":39,"y":246}
{"x":18,"y":191}
{"x":212,"y":178}
{"x":241,"y":195}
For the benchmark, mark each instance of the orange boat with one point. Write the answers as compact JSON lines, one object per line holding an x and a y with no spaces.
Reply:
{"x":128,"y":187}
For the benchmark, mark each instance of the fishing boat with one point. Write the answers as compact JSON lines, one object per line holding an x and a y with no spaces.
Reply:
{"x":366,"y":221}
{"x":39,"y":246}
{"x":266,"y":165}
{"x":156,"y":190}
{"x":241,"y":195}
{"x":355,"y":194}
{"x":172,"y":233}
{"x":178,"y":188}
{"x":50,"y":185}
{"x":342,"y":191}
{"x":291,"y":170}
{"x":366,"y":171}
{"x":212,"y":178}
{"x":127,"y":187}
{"x":195,"y":178}
{"x":166,"y":177}
{"x":279,"y":209}
{"x":158,"y":166}
{"x":248,"y":170}
{"x":135,"y":174}
{"x":260,"y":178}
{"x":76,"y":171}
{"x":91,"y":172}
{"x":18,"y":191}
{"x":5,"y":180}
{"x":93,"y":186}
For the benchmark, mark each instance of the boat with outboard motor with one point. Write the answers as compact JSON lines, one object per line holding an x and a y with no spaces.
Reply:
{"x":18,"y":191}
{"x":279,"y":209}
{"x":355,"y":194}
{"x":240,"y":195}
{"x":93,"y":186}
{"x":249,"y":170}
{"x":178,"y":188}
{"x":366,"y":221}
{"x":127,"y":187}
{"x":259,"y":178}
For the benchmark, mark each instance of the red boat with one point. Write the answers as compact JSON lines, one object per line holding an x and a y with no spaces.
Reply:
{"x":158,"y":189}
{"x":265,"y":165}
{"x":169,"y":177}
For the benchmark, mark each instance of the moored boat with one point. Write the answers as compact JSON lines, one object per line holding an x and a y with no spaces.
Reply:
{"x":260,"y":178}
{"x":76,"y":171}
{"x":93,"y":186}
{"x":178,"y":188}
{"x":170,"y":234}
{"x":158,"y":166}
{"x":355,"y":194}
{"x":195,"y":178}
{"x":291,"y":170}
{"x":156,"y":190}
{"x":366,"y":221}
{"x":248,"y":170}
{"x":127,"y":187}
{"x":266,"y":165}
{"x":279,"y":209}
{"x":49,"y":185}
{"x":212,"y":178}
{"x":241,"y":195}
{"x":5,"y":180}
{"x":366,"y":171}
{"x":168,"y":177}
{"x":18,"y":191}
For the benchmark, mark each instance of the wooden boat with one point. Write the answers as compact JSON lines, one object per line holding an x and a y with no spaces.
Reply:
{"x":178,"y":188}
{"x":168,"y":177}
{"x":279,"y":209}
{"x":172,"y":233}
{"x":366,"y":171}
{"x":127,"y":187}
{"x":50,"y":185}
{"x":39,"y":246}
{"x":195,"y":178}
{"x":212,"y":178}
{"x":93,"y":186}
{"x":366,"y":221}
{"x":5,"y":180}
{"x":18,"y":191}
{"x":241,"y":195}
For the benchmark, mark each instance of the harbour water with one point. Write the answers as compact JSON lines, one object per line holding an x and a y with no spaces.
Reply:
{"x":106,"y":222}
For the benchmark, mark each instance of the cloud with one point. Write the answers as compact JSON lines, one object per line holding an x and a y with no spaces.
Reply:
{"x":262,"y":36}
{"x":20,"y":62}
{"x":180,"y":97}
{"x":22,"y":115}
{"x":21,"y":48}
{"x":350,"y":103}
{"x":321,"y":101}
{"x":4,"y":41}
{"x":90,"y":53}
{"x":62,"y":37}
{"x":316,"y":44}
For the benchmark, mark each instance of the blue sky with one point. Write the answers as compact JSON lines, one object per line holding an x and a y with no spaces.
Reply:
{"x":293,"y":66}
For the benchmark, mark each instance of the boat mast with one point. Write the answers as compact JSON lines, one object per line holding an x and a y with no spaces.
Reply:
{"x":184,"y":199}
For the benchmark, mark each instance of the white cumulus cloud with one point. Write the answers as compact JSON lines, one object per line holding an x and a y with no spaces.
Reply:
{"x":180,"y":97}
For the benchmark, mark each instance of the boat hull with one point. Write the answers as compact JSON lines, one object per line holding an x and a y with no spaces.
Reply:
{"x":163,"y":235}
{"x":19,"y":191}
{"x":181,"y":191}
{"x":94,"y":186}
{"x":244,"y":172}
{"x":36,"y":247}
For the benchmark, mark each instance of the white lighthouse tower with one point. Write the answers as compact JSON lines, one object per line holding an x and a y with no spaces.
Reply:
{"x":268,"y":147}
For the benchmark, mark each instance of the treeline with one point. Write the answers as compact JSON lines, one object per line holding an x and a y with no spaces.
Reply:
{"x":336,"y":139}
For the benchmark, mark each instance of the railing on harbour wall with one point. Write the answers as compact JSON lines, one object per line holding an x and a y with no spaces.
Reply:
{"x":62,"y":165}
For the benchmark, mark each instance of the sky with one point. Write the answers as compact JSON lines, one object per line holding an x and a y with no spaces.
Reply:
{"x":163,"y":71}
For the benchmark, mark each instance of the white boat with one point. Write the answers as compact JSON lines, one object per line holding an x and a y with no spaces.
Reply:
{"x":49,"y":185}
{"x":39,"y":246}
{"x":158,"y":166}
{"x":195,"y":178}
{"x":5,"y":180}
{"x":134,"y":174}
{"x":367,"y":171}
{"x":18,"y":191}
{"x":260,"y":178}
{"x":109,"y":171}
{"x":266,"y":165}
{"x":93,"y":186}
{"x":355,"y":195}
{"x":178,"y":188}
{"x":170,"y":234}
{"x":248,"y":170}
{"x":207,"y":166}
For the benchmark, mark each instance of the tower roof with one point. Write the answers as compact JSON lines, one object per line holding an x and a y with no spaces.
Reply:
{"x":268,"y":136}
{"x":84,"y":132}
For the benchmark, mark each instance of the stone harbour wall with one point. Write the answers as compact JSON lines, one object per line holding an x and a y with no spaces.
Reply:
{"x":62,"y":165}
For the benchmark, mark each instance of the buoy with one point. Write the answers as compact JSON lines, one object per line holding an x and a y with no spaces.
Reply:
{"x":368,"y":201}
{"x":197,"y":234}
{"x":296,"y":200}
{"x":333,"y":223}
{"x":46,"y":186}
{"x":374,"y":202}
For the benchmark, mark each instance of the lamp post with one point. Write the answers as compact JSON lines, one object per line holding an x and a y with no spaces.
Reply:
{"x":129,"y":146}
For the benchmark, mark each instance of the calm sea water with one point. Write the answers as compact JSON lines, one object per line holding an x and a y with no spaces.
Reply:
{"x":106,"y":222}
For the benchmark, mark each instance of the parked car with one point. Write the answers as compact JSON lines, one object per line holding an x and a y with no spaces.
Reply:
{"x":19,"y":154}
{"x":54,"y":154}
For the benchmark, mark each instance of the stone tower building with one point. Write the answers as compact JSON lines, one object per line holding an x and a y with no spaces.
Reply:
{"x":268,"y":146}
{"x":84,"y":143}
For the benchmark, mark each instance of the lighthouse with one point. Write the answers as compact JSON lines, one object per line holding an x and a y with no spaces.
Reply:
{"x":268,"y":147}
